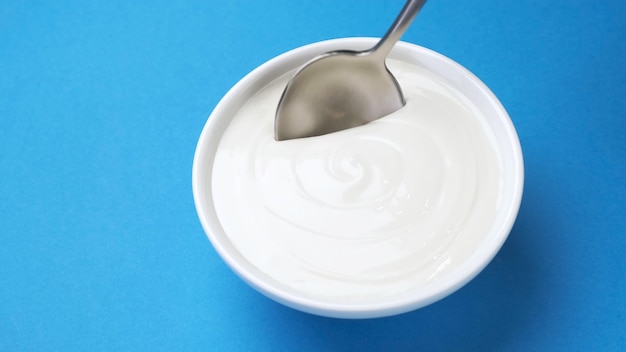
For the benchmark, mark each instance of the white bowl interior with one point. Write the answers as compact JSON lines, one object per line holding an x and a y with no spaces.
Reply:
{"x":456,"y":76}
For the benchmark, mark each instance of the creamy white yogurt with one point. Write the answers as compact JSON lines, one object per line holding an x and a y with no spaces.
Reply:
{"x":374,"y":210}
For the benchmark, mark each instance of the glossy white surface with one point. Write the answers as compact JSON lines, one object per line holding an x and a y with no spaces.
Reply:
{"x":453,"y":240}
{"x":366,"y":213}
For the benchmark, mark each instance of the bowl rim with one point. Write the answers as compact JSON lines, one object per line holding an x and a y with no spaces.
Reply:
{"x":218,"y":121}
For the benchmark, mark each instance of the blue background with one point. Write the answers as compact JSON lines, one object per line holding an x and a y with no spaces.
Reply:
{"x":101,"y":106}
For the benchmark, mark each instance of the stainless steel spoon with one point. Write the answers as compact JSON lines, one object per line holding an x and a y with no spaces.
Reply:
{"x":343,"y":89}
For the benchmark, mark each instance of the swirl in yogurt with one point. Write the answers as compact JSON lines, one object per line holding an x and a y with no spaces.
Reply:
{"x":377,"y":209}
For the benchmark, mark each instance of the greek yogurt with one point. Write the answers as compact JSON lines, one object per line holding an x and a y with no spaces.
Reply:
{"x":375,"y":210}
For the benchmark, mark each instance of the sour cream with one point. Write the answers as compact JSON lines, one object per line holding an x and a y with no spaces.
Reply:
{"x":374,"y":210}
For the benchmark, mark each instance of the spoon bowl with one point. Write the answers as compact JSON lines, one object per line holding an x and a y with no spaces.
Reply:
{"x":343,"y":89}
{"x":339,"y":90}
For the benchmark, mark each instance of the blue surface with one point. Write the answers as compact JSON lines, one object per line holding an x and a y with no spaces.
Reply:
{"x":101,"y":105}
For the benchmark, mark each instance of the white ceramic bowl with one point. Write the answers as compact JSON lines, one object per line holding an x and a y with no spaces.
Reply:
{"x":456,"y":76}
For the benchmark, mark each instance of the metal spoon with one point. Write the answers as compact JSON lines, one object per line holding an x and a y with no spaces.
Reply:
{"x":343,"y":89}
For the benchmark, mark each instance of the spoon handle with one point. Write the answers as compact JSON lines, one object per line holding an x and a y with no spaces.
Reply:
{"x":397,"y":29}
